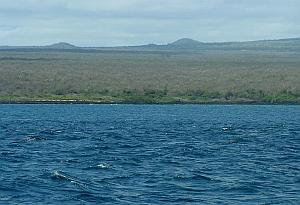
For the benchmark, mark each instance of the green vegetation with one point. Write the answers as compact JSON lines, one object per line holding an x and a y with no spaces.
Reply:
{"x":150,"y":76}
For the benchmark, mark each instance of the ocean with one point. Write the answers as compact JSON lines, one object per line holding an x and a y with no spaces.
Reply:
{"x":150,"y":154}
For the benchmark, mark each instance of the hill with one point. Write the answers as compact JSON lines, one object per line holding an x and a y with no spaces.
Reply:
{"x":61,"y":45}
{"x":291,"y":44}
{"x":184,"y":44}
{"x":56,"y":46}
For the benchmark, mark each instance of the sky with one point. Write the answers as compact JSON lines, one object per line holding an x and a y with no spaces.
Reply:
{"x":136,"y":22}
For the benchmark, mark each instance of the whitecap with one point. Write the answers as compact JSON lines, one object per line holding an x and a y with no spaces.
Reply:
{"x":34,"y":138}
{"x":103,"y":166}
{"x":61,"y":175}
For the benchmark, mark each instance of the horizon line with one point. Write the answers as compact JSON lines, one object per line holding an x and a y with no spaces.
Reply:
{"x":205,"y":42}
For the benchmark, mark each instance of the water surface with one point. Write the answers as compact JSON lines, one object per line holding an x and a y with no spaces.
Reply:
{"x":149,"y":154}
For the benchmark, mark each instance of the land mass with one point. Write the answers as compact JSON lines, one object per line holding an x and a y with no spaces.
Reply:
{"x":185,"y":71}
{"x":184,"y":44}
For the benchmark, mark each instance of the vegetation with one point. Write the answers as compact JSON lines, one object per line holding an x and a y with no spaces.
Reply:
{"x":106,"y":76}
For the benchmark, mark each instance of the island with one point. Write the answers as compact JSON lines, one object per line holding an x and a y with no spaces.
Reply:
{"x":185,"y":71}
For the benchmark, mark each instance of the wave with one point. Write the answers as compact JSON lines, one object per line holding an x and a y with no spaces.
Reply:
{"x":99,"y":166}
{"x":62,"y":175}
{"x":88,"y":186}
{"x":103,"y":166}
{"x":35,"y":138}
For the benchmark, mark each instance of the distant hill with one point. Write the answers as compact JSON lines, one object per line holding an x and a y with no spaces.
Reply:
{"x":61,"y":45}
{"x":184,"y":44}
{"x":291,"y":44}
{"x":181,"y":44}
{"x":56,"y":46}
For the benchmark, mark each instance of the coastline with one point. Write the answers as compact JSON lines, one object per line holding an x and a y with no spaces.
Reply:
{"x":97,"y":102}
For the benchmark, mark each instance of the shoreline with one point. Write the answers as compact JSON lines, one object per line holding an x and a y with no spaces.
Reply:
{"x":84,"y":102}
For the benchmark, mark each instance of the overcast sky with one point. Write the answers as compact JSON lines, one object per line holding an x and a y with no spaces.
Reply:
{"x":134,"y":22}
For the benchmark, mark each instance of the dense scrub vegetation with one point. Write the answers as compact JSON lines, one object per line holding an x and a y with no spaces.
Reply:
{"x":151,"y":77}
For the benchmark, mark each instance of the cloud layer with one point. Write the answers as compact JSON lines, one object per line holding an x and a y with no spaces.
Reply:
{"x":133,"y":22}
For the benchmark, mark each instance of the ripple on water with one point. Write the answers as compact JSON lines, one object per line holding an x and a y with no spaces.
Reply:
{"x":142,"y":154}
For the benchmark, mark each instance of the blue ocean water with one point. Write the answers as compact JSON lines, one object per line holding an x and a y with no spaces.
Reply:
{"x":149,"y":154}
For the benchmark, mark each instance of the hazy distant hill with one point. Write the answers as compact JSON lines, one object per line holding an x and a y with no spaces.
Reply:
{"x":292,"y":44}
{"x":61,"y":45}
{"x":56,"y":46}
{"x":184,"y":44}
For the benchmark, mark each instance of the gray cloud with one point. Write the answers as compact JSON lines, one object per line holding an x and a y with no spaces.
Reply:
{"x":131,"y":22}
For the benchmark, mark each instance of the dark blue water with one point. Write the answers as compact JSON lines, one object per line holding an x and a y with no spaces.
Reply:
{"x":149,"y":154}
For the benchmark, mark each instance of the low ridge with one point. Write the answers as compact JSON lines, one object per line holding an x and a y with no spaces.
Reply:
{"x":62,"y":45}
{"x":185,"y":42}
{"x":289,"y":44}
